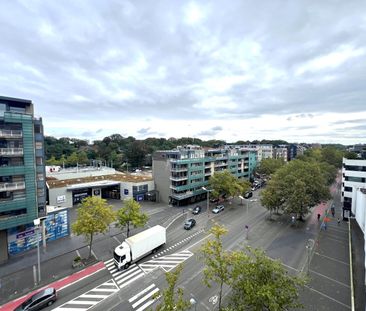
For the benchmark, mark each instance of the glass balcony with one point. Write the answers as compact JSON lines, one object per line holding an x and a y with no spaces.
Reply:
{"x":178,"y":178}
{"x":12,"y":186}
{"x":11,"y":151}
{"x":11,"y":134}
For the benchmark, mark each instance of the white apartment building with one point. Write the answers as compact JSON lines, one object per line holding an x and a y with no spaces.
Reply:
{"x":263,"y":151}
{"x":353,"y":179}
{"x":280,"y":153}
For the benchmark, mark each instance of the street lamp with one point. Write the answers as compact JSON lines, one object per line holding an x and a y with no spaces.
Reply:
{"x":193,"y":302}
{"x":208,"y":199}
{"x":241,"y":199}
{"x":309,"y":246}
{"x":37,"y":223}
{"x":253,"y":200}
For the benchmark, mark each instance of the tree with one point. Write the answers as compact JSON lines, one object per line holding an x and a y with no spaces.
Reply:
{"x":260,"y":283}
{"x":225,"y":183}
{"x":172,"y":299}
{"x":130,"y":214}
{"x":217,"y":260}
{"x":297,"y":187}
{"x":94,"y":216}
{"x":350,"y":155}
{"x":269,"y":166}
{"x":136,"y":153}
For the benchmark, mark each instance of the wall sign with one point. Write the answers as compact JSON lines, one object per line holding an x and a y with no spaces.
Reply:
{"x":61,"y":199}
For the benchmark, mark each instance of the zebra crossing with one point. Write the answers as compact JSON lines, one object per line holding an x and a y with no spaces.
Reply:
{"x":167,"y":262}
{"x":91,"y":298}
{"x":124,"y":277}
{"x":145,"y":298}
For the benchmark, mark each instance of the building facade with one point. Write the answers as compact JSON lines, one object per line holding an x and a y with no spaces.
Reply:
{"x":280,"y":153}
{"x":22,"y":170}
{"x":263,"y":151}
{"x":180,"y":174}
{"x":353,"y":179}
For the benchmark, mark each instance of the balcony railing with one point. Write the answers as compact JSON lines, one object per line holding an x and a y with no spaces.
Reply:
{"x":179,"y":169}
{"x":12,"y":186}
{"x":178,"y":178}
{"x":11,"y":151}
{"x":11,"y":133}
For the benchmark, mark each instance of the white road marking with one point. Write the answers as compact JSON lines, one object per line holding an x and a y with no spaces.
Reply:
{"x":145,"y":298}
{"x":132,"y":299}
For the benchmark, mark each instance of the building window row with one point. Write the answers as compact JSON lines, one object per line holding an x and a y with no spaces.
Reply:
{"x":355,"y":179}
{"x":355,"y":168}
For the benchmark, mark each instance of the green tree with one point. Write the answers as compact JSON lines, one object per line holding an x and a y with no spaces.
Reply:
{"x":350,"y":155}
{"x":72,"y":159}
{"x":82,"y":158}
{"x":260,"y":283}
{"x":130,"y":214}
{"x":94,"y":216}
{"x":216,"y":259}
{"x":225,"y":183}
{"x":269,"y":166}
{"x":297,"y":187}
{"x":52,"y":161}
{"x":172,"y":298}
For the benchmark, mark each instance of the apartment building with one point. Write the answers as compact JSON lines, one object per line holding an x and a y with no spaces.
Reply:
{"x":353,"y":179}
{"x":263,"y":151}
{"x":180,"y":174}
{"x":22,"y":171}
{"x":280,"y":153}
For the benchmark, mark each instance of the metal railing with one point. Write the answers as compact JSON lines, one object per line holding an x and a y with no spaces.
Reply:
{"x":11,"y":151}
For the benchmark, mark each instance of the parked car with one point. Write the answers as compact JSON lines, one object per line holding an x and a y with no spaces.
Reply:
{"x":189,"y":224}
{"x":248,"y":195}
{"x":213,"y":200}
{"x":39,"y":300}
{"x":196,"y":210}
{"x":218,"y":209}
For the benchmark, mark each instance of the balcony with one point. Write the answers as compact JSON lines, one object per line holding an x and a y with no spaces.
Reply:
{"x":178,"y":178}
{"x":11,"y":133}
{"x":12,"y":186}
{"x":11,"y":151}
{"x":179,"y":169}
{"x":220,"y":164}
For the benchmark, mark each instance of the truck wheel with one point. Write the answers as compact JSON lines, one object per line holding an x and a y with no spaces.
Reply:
{"x":126,"y":266}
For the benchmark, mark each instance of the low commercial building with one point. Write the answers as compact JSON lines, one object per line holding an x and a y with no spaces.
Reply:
{"x":103,"y":182}
{"x":180,"y":174}
{"x":353,"y":179}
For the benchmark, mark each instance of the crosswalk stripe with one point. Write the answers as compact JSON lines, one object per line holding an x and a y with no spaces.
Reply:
{"x":132,"y":271}
{"x":102,"y":290}
{"x":141,"y":293}
{"x":109,"y":261}
{"x":146,"y":305}
{"x":93,"y":296}
{"x":130,"y":281}
{"x":77,"y":302}
{"x":145,"y":298}
{"x":166,"y":261}
{"x":129,"y":276}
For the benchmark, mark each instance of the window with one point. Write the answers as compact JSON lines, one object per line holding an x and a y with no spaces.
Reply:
{"x":6,"y":195}
{"x":40,"y":177}
{"x":355,"y":179}
{"x":355,"y":168}
{"x":349,"y":189}
{"x":39,"y":145}
{"x":40,"y":192}
{"x":37,"y":129}
{"x":39,"y":160}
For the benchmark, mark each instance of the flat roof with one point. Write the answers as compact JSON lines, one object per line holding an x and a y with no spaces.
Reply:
{"x":92,"y":180}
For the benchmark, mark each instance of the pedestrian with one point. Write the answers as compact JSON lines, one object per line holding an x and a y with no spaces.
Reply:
{"x":322,"y":226}
{"x":325,"y":226}
{"x":333,"y":212}
{"x":338,"y":221}
{"x":318,"y":217}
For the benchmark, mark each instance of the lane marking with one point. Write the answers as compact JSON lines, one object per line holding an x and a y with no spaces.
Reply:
{"x":145,"y":298}
{"x":327,"y":277}
{"x":141,"y":293}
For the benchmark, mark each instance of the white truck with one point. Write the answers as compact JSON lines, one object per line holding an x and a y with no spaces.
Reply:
{"x":138,"y":246}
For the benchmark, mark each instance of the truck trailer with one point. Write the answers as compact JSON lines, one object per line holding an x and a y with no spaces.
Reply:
{"x":138,"y":246}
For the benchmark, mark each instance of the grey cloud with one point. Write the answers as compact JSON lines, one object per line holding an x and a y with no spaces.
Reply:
{"x":211,"y":132}
{"x":143,"y":130}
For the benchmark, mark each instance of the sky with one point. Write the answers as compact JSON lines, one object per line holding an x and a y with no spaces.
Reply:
{"x":231,"y":70}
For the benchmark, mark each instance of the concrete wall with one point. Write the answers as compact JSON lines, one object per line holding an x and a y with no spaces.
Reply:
{"x":161,"y":176}
{"x":60,"y":197}
{"x":3,"y":246}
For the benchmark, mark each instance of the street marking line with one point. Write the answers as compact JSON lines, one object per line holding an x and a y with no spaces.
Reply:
{"x":101,"y":290}
{"x":119,"y":242}
{"x":187,"y":249}
{"x":145,"y":298}
{"x":141,"y":293}
{"x":166,"y":261}
{"x":108,"y":261}
{"x":81,"y":302}
{"x":93,"y":296}
{"x":130,"y":281}
{"x":327,"y":277}
{"x":330,"y":258}
{"x":124,"y":277}
{"x":146,"y":305}
{"x":322,"y":294}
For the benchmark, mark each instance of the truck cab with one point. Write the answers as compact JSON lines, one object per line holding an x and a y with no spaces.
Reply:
{"x":122,"y":256}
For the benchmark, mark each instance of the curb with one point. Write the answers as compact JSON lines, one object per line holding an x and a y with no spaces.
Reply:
{"x":59,"y":285}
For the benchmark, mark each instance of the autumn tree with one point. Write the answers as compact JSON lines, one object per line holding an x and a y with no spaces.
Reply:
{"x":260,"y":283}
{"x":216,"y":259}
{"x":172,"y":298}
{"x":130,"y":214}
{"x":94,"y":216}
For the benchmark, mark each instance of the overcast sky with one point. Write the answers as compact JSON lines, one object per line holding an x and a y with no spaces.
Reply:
{"x":232,"y":70}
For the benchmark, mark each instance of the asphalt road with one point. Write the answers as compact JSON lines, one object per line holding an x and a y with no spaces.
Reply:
{"x":277,"y":236}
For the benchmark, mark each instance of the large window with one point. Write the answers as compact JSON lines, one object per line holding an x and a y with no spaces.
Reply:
{"x":355,"y":168}
{"x":39,"y":145}
{"x":355,"y":179}
{"x":348,"y":189}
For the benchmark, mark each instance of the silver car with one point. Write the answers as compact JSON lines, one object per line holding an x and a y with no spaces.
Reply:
{"x":218,"y":209}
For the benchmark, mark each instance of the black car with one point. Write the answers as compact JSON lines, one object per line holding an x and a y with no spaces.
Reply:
{"x":189,"y":224}
{"x":196,"y":210}
{"x":213,"y":200}
{"x":248,"y":195}
{"x":39,"y":300}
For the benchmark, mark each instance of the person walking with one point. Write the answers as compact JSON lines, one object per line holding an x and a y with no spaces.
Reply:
{"x":338,"y":221}
{"x":318,"y":216}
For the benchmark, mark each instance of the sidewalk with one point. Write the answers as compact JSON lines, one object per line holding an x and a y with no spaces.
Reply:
{"x":16,"y":276}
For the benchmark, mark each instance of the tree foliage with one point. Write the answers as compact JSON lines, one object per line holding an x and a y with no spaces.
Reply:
{"x":260,"y":283}
{"x":225,"y":183}
{"x":130,"y":214}
{"x":269,"y":166}
{"x":94,"y":216}
{"x":172,"y":298}
{"x":217,"y":261}
{"x":296,"y":187}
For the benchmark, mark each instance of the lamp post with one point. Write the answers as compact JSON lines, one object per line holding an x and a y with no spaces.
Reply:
{"x":193,"y":302}
{"x":241,"y":199}
{"x":208,"y":200}
{"x":253,"y":200}
{"x":309,"y":246}
{"x":37,"y":223}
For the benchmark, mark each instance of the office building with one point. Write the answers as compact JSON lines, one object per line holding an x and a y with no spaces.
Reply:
{"x":180,"y":174}
{"x":22,"y":171}
{"x":353,"y":179}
